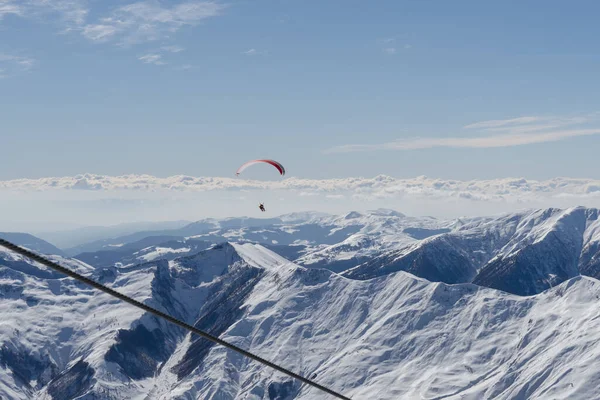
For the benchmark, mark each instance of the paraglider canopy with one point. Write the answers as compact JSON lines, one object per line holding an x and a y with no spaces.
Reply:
{"x":253,"y":162}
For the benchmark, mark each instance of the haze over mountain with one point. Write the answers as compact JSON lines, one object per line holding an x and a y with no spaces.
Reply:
{"x":75,"y":237}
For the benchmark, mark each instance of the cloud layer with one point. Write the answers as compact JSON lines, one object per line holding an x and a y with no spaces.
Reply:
{"x":507,"y":189}
{"x":49,"y":203}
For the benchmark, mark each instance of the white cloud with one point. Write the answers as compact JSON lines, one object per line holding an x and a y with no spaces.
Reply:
{"x":10,"y":7}
{"x":155,"y":59}
{"x":184,"y":67}
{"x":70,"y":12}
{"x":470,"y":142}
{"x":133,"y":23}
{"x":151,"y":20}
{"x":11,"y":65}
{"x":126,"y":25}
{"x":172,"y":49}
{"x":503,"y":122}
{"x":99,"y":32}
{"x":389,"y":45}
{"x":496,"y":133}
{"x":253,"y":52}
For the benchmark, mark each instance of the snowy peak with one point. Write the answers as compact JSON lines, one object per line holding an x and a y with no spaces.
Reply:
{"x":219,"y":259}
{"x":544,"y":251}
{"x":258,"y":256}
{"x":385,"y":212}
{"x":353,"y":215}
{"x":522,"y":253}
{"x":438,"y":259}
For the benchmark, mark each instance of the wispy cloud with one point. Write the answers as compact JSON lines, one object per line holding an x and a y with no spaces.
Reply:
{"x":24,"y":63}
{"x":172,"y":49}
{"x":99,"y":32}
{"x":502,"y":122}
{"x":150,"y":20}
{"x":71,"y":12}
{"x":155,"y":59}
{"x":253,"y":52}
{"x":9,"y":7}
{"x":127,"y":25}
{"x":184,"y":67}
{"x":283,"y":19}
{"x":495,"y":133}
{"x":12,"y":64}
{"x":390,"y":46}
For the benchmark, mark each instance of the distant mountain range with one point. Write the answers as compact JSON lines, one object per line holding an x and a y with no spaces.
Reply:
{"x":31,"y":242}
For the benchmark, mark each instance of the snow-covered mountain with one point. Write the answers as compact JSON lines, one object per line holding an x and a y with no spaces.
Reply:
{"x":522,"y":253}
{"x":393,"y":336}
{"x":336,"y":242}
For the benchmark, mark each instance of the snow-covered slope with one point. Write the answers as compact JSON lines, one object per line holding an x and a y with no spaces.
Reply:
{"x":394,"y":336}
{"x":544,"y":251}
{"x":59,"y":339}
{"x":372,"y":234}
{"x":401,"y":337}
{"x":522,"y":253}
{"x":53,"y":330}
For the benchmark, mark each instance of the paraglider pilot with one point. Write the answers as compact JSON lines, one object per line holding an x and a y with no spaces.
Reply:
{"x":262,"y":207}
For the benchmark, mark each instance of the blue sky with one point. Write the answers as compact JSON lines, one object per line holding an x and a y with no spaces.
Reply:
{"x":329,"y":88}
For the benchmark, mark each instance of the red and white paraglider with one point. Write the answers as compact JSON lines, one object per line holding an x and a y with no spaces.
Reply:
{"x":253,"y":162}
{"x":274,"y":163}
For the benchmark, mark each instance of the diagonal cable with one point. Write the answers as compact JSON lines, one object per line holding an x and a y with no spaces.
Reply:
{"x":114,"y":293}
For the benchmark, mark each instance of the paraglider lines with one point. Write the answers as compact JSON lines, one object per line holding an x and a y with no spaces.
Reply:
{"x":120,"y":296}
